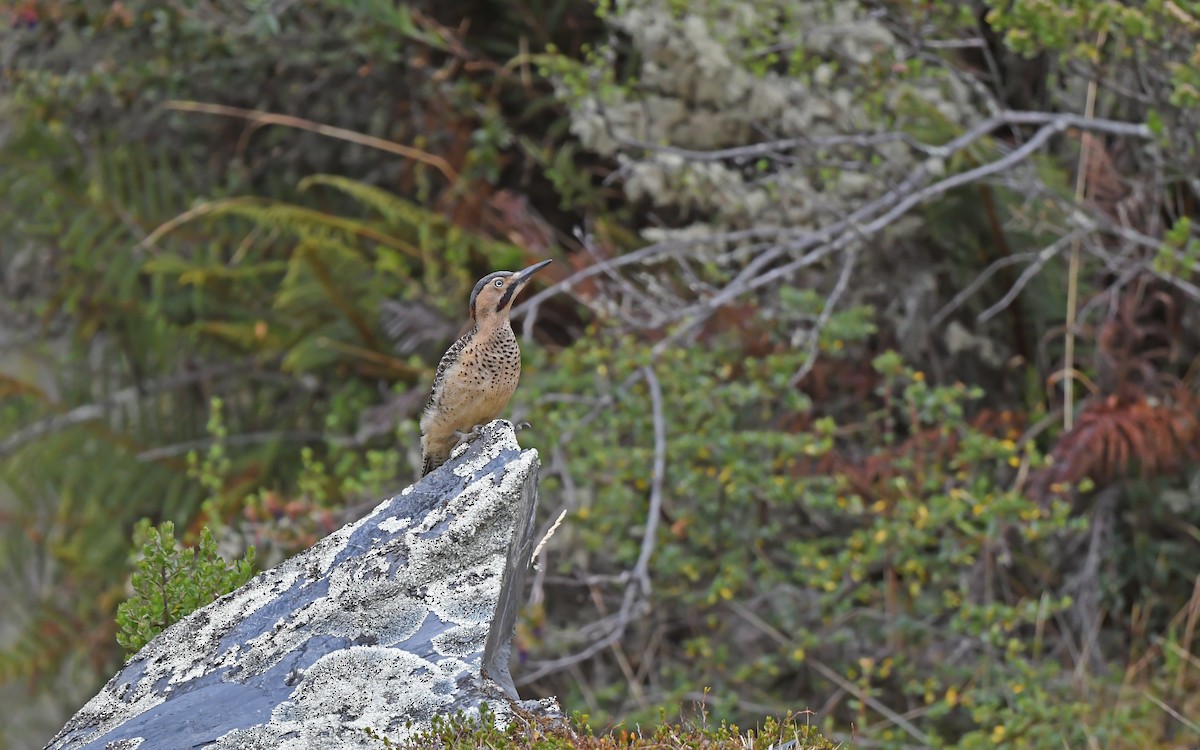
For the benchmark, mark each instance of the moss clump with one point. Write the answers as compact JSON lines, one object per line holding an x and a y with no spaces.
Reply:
{"x":527,"y":732}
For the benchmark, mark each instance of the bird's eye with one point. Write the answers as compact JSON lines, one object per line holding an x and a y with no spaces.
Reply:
{"x":499,"y":283}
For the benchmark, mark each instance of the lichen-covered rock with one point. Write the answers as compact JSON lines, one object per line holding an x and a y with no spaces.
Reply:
{"x":385,"y":624}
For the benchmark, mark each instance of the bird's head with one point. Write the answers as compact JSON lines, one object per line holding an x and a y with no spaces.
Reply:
{"x":494,"y":294}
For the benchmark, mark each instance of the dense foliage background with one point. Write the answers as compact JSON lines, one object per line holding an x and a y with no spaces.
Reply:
{"x":866,"y":374}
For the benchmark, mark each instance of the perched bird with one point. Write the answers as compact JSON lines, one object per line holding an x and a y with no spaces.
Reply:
{"x":478,"y":373}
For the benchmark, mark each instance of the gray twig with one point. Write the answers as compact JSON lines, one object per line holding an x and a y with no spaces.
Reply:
{"x":641,"y":571}
{"x":123,"y":397}
{"x":1027,"y":275}
{"x":1058,"y":121}
{"x":248,"y":438}
{"x":814,"y":335}
{"x":866,"y":221}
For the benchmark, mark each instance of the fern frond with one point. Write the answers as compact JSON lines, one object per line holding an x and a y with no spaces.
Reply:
{"x":1123,"y":436}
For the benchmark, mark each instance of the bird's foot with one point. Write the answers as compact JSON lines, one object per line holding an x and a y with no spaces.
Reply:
{"x":466,"y":437}
{"x":521,"y":426}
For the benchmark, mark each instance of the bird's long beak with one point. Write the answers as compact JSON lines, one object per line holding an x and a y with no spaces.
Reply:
{"x":526,"y":273}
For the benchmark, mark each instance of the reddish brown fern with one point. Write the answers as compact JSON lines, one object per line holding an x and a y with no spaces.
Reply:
{"x":1125,"y":435}
{"x":1145,"y":420}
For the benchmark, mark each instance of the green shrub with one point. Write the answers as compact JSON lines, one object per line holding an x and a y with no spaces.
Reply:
{"x":169,"y":582}
{"x":890,"y":557}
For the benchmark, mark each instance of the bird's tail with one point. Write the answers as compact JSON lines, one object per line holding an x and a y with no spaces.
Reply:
{"x":430,"y":462}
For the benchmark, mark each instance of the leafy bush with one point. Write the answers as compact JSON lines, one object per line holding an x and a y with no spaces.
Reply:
{"x":921,"y":564}
{"x":169,"y":583}
{"x":894,"y":561}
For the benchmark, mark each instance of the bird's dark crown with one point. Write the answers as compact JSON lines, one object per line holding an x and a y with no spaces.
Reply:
{"x":479,"y":285}
{"x":511,"y":285}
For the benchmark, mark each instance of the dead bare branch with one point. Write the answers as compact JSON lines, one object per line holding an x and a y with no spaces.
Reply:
{"x":637,"y":580}
{"x":1032,"y":270}
{"x":775,"y":243}
{"x":744,"y":154}
{"x":641,"y":571}
{"x":812,"y":344}
{"x":123,"y":397}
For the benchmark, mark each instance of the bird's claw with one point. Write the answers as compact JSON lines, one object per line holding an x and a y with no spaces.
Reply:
{"x":466,"y":437}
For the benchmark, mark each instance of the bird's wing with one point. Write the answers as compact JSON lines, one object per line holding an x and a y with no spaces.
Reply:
{"x":448,"y":359}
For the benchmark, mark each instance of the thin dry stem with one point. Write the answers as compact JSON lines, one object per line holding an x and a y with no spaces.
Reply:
{"x":1085,"y":149}
{"x":260,"y":118}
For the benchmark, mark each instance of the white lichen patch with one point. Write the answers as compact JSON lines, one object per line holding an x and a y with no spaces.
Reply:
{"x":461,"y":641}
{"x":470,"y":597}
{"x":181,"y":653}
{"x":382,"y":623}
{"x":394,"y":524}
{"x":353,"y":690}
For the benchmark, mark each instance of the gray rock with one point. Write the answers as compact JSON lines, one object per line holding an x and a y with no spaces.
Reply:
{"x":400,"y":617}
